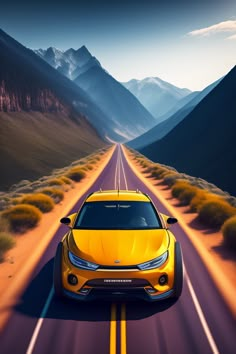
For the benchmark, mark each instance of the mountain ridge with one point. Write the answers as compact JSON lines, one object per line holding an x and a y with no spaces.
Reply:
{"x":127,"y":117}
{"x":157,"y":95}
{"x":203,"y":143}
{"x":171,"y":120}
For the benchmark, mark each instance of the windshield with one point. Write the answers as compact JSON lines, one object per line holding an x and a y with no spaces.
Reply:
{"x":116,"y":215}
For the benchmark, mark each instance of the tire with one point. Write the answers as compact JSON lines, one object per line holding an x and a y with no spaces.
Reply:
{"x":178,"y":277}
{"x":57,"y":272}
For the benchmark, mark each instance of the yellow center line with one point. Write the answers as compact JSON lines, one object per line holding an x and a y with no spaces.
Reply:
{"x":113,"y":324}
{"x":123,"y":329}
{"x":113,"y":330}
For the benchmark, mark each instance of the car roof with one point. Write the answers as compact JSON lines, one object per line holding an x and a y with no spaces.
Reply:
{"x":118,"y":195}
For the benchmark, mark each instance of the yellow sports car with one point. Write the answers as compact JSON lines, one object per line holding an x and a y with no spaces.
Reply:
{"x":118,"y":246}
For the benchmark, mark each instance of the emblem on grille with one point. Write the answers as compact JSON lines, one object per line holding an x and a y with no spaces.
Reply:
{"x":117,"y":261}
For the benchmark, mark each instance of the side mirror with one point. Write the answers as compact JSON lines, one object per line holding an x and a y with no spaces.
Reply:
{"x":65,"y":221}
{"x":171,"y":221}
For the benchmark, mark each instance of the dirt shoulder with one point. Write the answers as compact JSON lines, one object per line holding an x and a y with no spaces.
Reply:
{"x":220,"y":261}
{"x":25,"y":255}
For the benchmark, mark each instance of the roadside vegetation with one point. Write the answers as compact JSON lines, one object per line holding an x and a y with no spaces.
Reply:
{"x":23,"y":206}
{"x":215,"y":208}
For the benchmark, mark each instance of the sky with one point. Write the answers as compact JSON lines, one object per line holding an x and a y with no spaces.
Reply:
{"x":189,"y":43}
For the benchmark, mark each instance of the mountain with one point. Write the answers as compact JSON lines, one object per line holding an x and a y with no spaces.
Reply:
{"x":43,"y":116}
{"x":126,"y":115}
{"x":70,"y":63}
{"x":156,"y":95}
{"x":203,"y":144}
{"x":170,"y":119}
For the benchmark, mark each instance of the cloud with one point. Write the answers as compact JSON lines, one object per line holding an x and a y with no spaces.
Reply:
{"x":226,"y":26}
{"x":232,"y":37}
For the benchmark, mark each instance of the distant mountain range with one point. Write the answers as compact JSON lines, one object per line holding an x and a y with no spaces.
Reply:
{"x":44,"y":117}
{"x":156,"y":95}
{"x":172,"y":118}
{"x":203,"y":143}
{"x":70,"y":63}
{"x":127,"y":117}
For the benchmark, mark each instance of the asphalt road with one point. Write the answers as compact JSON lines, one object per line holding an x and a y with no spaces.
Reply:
{"x":199,"y":322}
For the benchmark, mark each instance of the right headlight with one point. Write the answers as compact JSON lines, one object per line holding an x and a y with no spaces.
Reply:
{"x":154,"y":263}
{"x":82,"y":263}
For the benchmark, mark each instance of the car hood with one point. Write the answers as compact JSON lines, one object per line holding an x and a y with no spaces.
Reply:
{"x":129,"y":247}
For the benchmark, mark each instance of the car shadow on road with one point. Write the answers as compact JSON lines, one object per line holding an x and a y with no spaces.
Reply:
{"x":33,"y":300}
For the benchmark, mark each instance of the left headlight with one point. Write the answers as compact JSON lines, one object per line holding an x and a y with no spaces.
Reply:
{"x":81,"y":263}
{"x":154,"y":263}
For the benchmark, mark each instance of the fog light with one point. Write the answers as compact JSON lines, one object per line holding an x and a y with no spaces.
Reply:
{"x":72,"y":279}
{"x":163,"y":279}
{"x":85,"y":291}
{"x":151,"y":290}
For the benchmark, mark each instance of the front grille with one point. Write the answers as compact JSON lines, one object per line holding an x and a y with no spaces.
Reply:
{"x":118,"y":283}
{"x":118,"y":267}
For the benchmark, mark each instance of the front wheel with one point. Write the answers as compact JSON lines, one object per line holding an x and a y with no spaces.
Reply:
{"x":178,"y":277}
{"x":57,"y":272}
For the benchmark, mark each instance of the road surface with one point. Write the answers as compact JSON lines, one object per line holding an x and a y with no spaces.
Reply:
{"x":199,"y":322}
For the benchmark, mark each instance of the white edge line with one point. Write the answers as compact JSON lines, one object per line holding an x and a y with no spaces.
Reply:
{"x":201,"y":315}
{"x":116,"y":171}
{"x":40,"y":322}
{"x":122,"y":165}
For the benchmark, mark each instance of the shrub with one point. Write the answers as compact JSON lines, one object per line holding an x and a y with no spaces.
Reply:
{"x":76,"y":174}
{"x":97,"y":158}
{"x":7,"y":241}
{"x":179,"y":187}
{"x":198,"y":200}
{"x":43,"y":202}
{"x":66,"y":180}
{"x":229,"y":232}
{"x":202,"y":196}
{"x":149,"y":168}
{"x":87,"y":167}
{"x":55,"y":182}
{"x":22,"y":217}
{"x":187,"y":195}
{"x":170,"y":178}
{"x":214,"y":213}
{"x":56,"y":194}
{"x":159,"y":172}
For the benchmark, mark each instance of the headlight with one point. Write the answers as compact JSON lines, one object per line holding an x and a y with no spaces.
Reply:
{"x":154,"y":263}
{"x":81,"y":263}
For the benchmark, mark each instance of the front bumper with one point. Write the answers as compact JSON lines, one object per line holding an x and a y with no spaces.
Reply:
{"x":117,"y":295}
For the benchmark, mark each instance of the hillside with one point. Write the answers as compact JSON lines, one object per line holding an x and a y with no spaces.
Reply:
{"x":203,"y":144}
{"x":40,"y":128}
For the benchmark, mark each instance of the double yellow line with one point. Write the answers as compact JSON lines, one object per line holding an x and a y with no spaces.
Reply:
{"x":113,"y":325}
